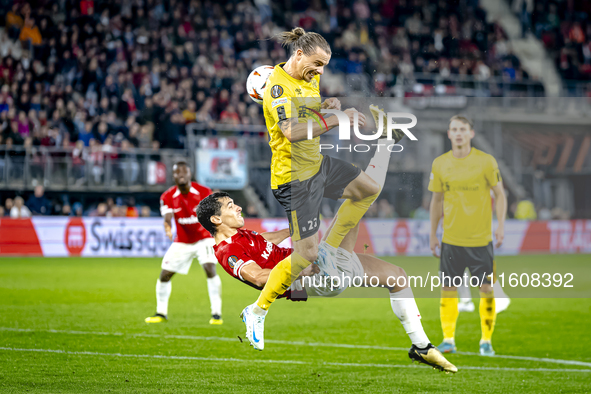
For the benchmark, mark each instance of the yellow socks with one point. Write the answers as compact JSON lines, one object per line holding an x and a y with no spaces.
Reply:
{"x":488,"y":315}
{"x":349,"y":214}
{"x":448,"y":312}
{"x":280,"y":278}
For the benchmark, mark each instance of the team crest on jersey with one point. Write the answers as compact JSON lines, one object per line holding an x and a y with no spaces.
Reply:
{"x":276,"y":91}
{"x":314,"y":84}
{"x":232,"y":260}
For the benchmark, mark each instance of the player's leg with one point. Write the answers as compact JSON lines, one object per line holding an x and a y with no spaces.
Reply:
{"x":177,"y":259}
{"x":361,"y":190}
{"x":283,"y":274}
{"x":206,"y":256}
{"x":403,"y":305}
{"x":214,"y":290}
{"x":163,"y":290}
{"x":452,"y":265}
{"x":301,"y":201}
{"x":487,"y":319}
{"x":401,"y":296}
{"x":483,"y":268}
{"x":359,"y":194}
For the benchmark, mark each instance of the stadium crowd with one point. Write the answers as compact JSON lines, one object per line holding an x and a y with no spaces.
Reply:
{"x":106,"y":72}
{"x":564,"y":28}
{"x":38,"y":204}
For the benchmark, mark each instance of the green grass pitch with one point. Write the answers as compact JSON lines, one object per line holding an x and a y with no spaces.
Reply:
{"x":77,"y":325}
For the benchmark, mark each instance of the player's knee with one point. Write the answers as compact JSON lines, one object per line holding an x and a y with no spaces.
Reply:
{"x":371,"y":189}
{"x":165,"y":276}
{"x":401,"y":273}
{"x":398,"y":277}
{"x":310,"y":254}
{"x":209,"y":269}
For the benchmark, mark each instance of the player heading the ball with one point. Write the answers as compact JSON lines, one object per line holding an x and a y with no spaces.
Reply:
{"x":300,"y":175}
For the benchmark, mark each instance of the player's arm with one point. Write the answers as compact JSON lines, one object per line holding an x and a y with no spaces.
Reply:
{"x":167,"y":212}
{"x":168,"y":225}
{"x":276,"y":237}
{"x":254,"y":274}
{"x":295,"y":131}
{"x":435,"y":212}
{"x":501,"y":211}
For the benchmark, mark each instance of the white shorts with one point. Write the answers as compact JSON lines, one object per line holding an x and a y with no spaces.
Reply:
{"x":179,"y":256}
{"x":347,"y":265}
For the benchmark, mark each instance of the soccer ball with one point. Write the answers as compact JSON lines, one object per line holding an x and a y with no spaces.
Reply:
{"x":256,"y":82}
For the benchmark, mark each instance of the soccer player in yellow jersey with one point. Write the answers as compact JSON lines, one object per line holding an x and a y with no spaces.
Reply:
{"x":300,"y":175}
{"x":461,"y":180}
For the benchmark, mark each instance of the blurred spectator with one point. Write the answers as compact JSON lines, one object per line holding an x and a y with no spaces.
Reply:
{"x":66,"y":210}
{"x":422,"y":212}
{"x":146,"y":212}
{"x":8,"y":204}
{"x":100,"y":211}
{"x":38,"y":204}
{"x":30,"y":33}
{"x":2,"y":212}
{"x":19,"y":210}
{"x":190,"y":114}
{"x":77,"y":208}
{"x":14,"y":21}
{"x":525,"y":210}
{"x":130,"y":209}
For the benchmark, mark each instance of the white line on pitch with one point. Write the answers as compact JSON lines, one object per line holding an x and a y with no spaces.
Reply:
{"x":290,"y":343}
{"x":225,"y":359}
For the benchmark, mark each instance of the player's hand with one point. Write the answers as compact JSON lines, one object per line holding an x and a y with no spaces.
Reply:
{"x":331,"y":103}
{"x":168,"y":231}
{"x":499,"y":236}
{"x":310,"y":270}
{"x":435,"y":246}
{"x":350,"y":112}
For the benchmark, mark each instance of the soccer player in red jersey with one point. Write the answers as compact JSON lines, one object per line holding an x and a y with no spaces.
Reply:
{"x":192,"y":241}
{"x":250,"y":257}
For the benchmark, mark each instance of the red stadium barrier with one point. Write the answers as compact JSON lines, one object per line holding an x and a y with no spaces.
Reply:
{"x":62,"y":236}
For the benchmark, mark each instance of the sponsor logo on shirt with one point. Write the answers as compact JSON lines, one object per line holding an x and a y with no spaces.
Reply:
{"x":267,"y":251}
{"x":189,"y":220}
{"x":278,"y":102}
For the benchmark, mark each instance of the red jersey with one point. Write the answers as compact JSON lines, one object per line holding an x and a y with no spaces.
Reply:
{"x":184,"y":209}
{"x":248,"y":247}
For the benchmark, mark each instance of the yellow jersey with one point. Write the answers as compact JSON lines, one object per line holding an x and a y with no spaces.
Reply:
{"x":286,"y":97}
{"x":467,"y":203}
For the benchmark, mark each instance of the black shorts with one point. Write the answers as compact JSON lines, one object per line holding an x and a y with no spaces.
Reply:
{"x":302,"y":200}
{"x":455,"y":259}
